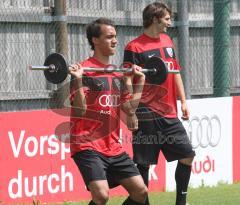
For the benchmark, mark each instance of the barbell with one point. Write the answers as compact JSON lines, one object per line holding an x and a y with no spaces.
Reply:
{"x":56,"y":69}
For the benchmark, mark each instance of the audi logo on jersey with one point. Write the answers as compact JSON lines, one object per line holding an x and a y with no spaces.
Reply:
{"x":170,"y":65}
{"x":109,"y":100}
{"x":204,"y":131}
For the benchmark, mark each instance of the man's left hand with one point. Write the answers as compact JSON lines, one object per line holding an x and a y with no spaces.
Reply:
{"x":185,"y":111}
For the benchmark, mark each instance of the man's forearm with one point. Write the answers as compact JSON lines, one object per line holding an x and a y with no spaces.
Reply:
{"x":137,"y":93}
{"x":180,"y":88}
{"x":131,"y":106}
{"x":79,"y":101}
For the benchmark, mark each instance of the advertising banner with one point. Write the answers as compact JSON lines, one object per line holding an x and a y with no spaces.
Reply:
{"x":236,"y":139}
{"x":210,"y":131}
{"x":35,"y":161}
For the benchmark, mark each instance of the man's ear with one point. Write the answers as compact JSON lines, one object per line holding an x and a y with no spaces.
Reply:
{"x":155,"y":19}
{"x":95,"y":40}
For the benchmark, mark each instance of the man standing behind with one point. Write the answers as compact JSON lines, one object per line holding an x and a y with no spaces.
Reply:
{"x":157,"y":111}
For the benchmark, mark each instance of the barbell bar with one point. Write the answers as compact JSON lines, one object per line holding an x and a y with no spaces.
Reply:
{"x":56,"y":69}
{"x":52,"y":68}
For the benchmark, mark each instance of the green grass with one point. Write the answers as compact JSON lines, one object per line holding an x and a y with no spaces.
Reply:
{"x":223,"y":194}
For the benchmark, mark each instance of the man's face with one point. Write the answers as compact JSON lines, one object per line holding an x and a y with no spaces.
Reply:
{"x":164,"y":23}
{"x":107,"y":41}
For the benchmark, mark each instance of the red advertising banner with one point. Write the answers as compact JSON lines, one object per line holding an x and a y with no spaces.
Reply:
{"x":236,"y":139}
{"x":35,"y":162}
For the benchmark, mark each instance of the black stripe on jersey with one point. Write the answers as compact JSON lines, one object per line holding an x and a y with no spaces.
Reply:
{"x":96,"y":83}
{"x":169,"y":52}
{"x":144,"y":56}
{"x":131,"y":57}
{"x":117,"y":84}
{"x":140,"y":58}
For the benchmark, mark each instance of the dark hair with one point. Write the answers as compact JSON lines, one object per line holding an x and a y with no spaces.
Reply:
{"x":156,"y":9}
{"x":94,"y":29}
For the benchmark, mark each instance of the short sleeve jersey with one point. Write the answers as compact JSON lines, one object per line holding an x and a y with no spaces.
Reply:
{"x":98,"y":129}
{"x":159,"y":98}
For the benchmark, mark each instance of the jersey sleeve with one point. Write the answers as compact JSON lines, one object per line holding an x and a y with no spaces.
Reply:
{"x":174,"y":57}
{"x":73,"y":91}
{"x":175,"y":65}
{"x":175,"y":61}
{"x":131,"y":55}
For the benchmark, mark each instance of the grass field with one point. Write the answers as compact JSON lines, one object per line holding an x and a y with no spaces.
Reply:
{"x":223,"y":194}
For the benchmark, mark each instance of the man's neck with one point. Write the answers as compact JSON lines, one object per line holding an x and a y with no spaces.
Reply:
{"x":152,"y":32}
{"x":101,"y":58}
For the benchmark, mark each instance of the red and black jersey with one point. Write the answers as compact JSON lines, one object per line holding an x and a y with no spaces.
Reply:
{"x":99,"y":128}
{"x":159,"y":98}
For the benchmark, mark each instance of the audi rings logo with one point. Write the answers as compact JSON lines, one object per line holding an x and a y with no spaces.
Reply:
{"x":204,"y":131}
{"x":170,"y":65}
{"x":109,"y":100}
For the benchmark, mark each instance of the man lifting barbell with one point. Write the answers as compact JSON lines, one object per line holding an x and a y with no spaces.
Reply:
{"x":94,"y":144}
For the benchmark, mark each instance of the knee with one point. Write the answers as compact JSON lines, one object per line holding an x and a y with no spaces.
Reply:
{"x":187,"y":161}
{"x":145,"y":192}
{"x":100,"y":197}
{"x":142,"y":192}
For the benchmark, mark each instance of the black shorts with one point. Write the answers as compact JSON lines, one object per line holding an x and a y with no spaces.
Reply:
{"x":160,"y":134}
{"x":95,"y":166}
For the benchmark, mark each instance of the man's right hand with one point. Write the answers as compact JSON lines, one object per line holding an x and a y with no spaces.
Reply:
{"x":76,"y":70}
{"x":137,"y":71}
{"x":132,"y":122}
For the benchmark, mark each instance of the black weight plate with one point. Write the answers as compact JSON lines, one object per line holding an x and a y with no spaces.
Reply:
{"x":61,"y":66}
{"x":161,"y":73}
